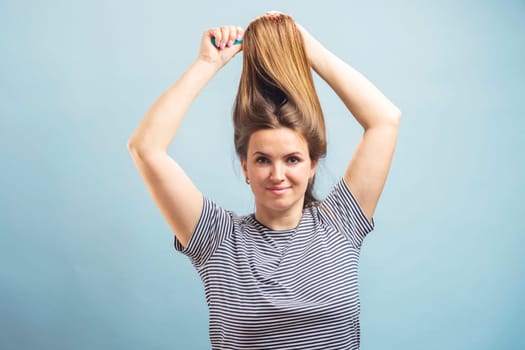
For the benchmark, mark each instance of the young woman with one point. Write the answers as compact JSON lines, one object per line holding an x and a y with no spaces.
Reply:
{"x":284,"y":277}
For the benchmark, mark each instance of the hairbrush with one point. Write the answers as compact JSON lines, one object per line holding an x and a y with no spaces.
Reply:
{"x":236,"y":42}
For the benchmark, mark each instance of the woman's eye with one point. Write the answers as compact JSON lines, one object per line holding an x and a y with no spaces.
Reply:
{"x":262,"y":160}
{"x":293,"y":160}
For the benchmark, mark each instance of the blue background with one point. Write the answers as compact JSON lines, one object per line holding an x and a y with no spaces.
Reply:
{"x":86,"y":259}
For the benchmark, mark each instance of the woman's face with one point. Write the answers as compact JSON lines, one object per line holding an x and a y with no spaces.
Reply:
{"x":278,"y":167}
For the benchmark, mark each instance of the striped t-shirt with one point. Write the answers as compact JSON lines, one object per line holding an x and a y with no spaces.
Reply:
{"x":288,"y":289}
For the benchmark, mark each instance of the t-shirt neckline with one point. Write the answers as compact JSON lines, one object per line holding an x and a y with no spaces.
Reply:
{"x":260,"y":226}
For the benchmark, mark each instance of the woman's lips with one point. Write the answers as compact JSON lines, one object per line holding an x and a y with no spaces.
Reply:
{"x":278,"y":190}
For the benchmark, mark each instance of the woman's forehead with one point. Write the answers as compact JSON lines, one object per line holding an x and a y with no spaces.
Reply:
{"x":279,"y":141}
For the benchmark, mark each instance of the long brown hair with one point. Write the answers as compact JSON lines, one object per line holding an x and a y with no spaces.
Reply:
{"x":276,"y":88}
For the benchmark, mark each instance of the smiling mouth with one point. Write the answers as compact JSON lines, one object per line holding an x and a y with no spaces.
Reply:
{"x":278,"y":190}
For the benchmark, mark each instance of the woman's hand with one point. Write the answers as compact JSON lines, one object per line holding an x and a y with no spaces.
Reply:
{"x":314,"y":49}
{"x":224,"y":48}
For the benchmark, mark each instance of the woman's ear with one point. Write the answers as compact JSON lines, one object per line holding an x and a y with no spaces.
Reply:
{"x":244,"y":167}
{"x":313,"y":168}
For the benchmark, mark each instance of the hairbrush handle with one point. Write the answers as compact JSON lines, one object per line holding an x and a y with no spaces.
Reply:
{"x":236,"y":42}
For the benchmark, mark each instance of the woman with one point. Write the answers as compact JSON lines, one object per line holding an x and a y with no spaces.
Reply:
{"x":284,"y":277}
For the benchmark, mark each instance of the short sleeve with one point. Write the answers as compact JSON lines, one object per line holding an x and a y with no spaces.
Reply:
{"x":214,"y":226}
{"x":344,"y":213}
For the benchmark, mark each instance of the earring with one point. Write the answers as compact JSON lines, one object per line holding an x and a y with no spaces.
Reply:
{"x":247,"y":181}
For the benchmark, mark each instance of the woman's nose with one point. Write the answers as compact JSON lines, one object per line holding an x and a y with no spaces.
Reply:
{"x":277,"y":173}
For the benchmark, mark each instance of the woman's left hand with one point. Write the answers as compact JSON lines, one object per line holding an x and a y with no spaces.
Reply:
{"x":224,"y":48}
{"x":314,"y":49}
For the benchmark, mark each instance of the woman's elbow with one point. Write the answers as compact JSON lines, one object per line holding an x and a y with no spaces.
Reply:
{"x":135,"y":149}
{"x":396,"y":116}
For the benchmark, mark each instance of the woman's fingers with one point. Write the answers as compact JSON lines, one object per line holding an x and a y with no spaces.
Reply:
{"x":216,"y":36}
{"x":274,"y":13}
{"x":225,"y":36}
{"x":240,"y":33}
{"x":232,"y":36}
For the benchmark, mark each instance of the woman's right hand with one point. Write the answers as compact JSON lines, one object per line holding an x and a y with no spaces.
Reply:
{"x":224,"y":48}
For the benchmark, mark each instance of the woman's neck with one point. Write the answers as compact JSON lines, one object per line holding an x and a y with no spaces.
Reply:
{"x":279,"y":220}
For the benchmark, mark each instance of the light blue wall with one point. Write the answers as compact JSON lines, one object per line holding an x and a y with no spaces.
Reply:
{"x":86,"y":259}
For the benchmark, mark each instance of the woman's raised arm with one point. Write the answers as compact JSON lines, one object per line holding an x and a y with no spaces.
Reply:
{"x":172,"y":190}
{"x":369,"y":166}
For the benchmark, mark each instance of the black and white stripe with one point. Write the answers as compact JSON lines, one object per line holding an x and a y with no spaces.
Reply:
{"x":291,"y":289}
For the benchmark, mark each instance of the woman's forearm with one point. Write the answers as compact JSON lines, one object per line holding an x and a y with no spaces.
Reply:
{"x":161,"y":122}
{"x":368,"y":105}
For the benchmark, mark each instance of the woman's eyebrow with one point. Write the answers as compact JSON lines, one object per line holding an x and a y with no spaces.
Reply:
{"x":260,"y":153}
{"x":296,"y":153}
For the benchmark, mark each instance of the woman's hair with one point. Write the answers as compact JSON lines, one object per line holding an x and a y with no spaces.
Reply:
{"x":276,"y":88}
